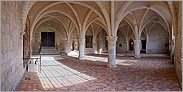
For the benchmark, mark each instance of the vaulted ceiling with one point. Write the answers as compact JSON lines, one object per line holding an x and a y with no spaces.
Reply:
{"x":109,"y":15}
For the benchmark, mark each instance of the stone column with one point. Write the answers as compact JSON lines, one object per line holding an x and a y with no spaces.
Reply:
{"x":81,"y":48}
{"x":68,"y":47}
{"x":127,"y":45}
{"x":147,"y":44}
{"x":112,"y":51}
{"x":172,"y":50}
{"x":137,"y":48}
{"x":94,"y":45}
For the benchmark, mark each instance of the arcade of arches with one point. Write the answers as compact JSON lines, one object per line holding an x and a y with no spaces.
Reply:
{"x":125,"y":29}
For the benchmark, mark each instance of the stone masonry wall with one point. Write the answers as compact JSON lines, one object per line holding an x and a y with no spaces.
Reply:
{"x":121,"y":40}
{"x":101,"y":42}
{"x":178,"y":46}
{"x":11,"y":45}
{"x":50,"y":26}
{"x":157,"y":40}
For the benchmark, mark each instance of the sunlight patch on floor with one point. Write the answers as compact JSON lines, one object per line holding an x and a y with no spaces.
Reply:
{"x":56,"y":75}
{"x":93,"y":58}
{"x":105,"y":59}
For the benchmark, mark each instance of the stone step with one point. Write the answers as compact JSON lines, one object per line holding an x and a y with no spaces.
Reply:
{"x":47,"y":47}
{"x":49,"y":50}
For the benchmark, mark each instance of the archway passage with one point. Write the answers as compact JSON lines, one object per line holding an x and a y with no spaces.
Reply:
{"x":131,"y":45}
{"x":48,"y":39}
{"x":157,"y":25}
{"x":102,"y":43}
{"x":143,"y":46}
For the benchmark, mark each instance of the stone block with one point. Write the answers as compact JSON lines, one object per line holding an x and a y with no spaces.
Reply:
{"x":3,"y":68}
{"x":11,"y":82}
{"x":13,"y":68}
{"x":3,"y":87}
{"x":2,"y":79}
{"x":10,"y":56}
{"x":10,"y":38}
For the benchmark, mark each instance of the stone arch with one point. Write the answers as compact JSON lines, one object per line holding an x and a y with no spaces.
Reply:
{"x":85,"y":20}
{"x":26,"y":7}
{"x":130,"y":25}
{"x":106,"y":16}
{"x":91,"y":23}
{"x":102,"y":43}
{"x":120,"y":13}
{"x":151,"y":20}
{"x":28,"y":4}
{"x":36,"y":39}
{"x":38,"y":16}
{"x":158,"y":38}
{"x":90,"y":7}
{"x":141,"y":7}
{"x":47,"y":19}
{"x":173,"y":14}
{"x":158,"y":23}
{"x":121,"y":44}
{"x":34,"y":23}
{"x":74,"y":11}
{"x":60,"y":22}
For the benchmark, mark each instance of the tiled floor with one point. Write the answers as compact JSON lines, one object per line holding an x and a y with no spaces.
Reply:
{"x":92,"y":74}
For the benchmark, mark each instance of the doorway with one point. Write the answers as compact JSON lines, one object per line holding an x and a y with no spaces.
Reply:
{"x":143,"y":46}
{"x":47,"y":39}
{"x":73,"y":43}
{"x":131,"y":43}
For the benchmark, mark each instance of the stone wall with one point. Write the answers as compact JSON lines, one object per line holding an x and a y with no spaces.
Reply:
{"x":89,"y":50}
{"x":130,"y":37}
{"x":121,"y":46}
{"x":75,"y":40}
{"x":157,"y":40}
{"x":101,"y":42}
{"x":89,"y":33}
{"x":50,"y":26}
{"x":11,"y":45}
{"x":178,"y":46}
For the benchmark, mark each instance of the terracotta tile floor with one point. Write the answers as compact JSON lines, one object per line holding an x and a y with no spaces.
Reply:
{"x":71,"y":74}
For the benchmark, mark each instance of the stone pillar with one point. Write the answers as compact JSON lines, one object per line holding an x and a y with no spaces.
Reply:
{"x":172,"y":50}
{"x":112,"y":51}
{"x":147,"y":44}
{"x":95,"y":45}
{"x":137,"y":48}
{"x":127,"y":45}
{"x":68,"y":47}
{"x":81,"y":48}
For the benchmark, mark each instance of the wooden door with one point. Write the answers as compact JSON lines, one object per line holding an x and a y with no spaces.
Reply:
{"x":47,"y":39}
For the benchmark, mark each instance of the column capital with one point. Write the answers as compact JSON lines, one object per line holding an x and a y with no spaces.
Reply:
{"x":137,"y":41}
{"x":112,"y":40}
{"x":112,"y":66}
{"x":68,"y":41}
{"x":81,"y":40}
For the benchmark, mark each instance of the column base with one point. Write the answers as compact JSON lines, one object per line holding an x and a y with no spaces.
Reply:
{"x":111,"y":66}
{"x":137,"y":57}
{"x":80,"y":58}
